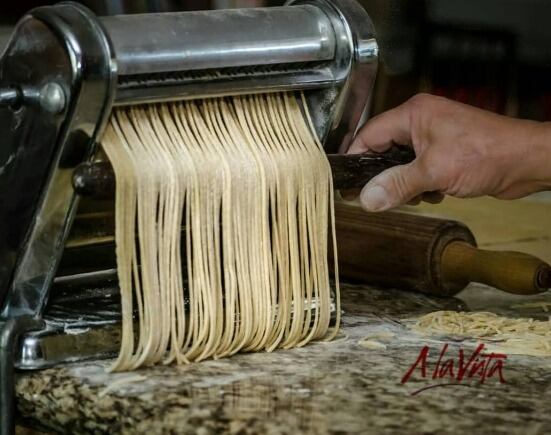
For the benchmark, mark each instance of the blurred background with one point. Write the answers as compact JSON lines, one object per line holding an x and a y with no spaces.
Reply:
{"x":490,"y":53}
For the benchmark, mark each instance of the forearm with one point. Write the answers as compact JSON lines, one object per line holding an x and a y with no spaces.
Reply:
{"x":518,"y":159}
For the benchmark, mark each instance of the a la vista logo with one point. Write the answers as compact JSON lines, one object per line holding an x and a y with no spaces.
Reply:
{"x":445,"y":368}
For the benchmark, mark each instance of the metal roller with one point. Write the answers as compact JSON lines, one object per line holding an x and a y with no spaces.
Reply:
{"x":190,"y":41}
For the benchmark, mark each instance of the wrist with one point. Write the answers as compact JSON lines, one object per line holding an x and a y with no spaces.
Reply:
{"x":538,"y":170}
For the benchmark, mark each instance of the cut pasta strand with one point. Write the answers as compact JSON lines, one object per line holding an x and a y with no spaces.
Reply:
{"x":249,"y":180}
{"x":505,"y":334}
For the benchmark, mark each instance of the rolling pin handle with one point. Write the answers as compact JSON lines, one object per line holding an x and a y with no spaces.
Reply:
{"x":512,"y":272}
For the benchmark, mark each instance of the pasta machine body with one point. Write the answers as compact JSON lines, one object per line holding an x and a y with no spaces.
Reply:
{"x":61,"y":74}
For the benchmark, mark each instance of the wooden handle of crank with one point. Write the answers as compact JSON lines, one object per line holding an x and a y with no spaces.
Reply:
{"x":96,"y":179}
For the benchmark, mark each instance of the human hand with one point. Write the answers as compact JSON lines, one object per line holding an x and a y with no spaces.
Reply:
{"x":461,"y":151}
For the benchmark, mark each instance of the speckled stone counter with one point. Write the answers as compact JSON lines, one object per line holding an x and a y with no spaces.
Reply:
{"x":337,"y":387}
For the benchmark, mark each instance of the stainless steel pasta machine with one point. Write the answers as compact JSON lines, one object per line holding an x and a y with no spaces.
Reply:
{"x":63,"y":71}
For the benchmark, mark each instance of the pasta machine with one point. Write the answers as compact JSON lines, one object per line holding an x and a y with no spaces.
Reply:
{"x":61,"y":74}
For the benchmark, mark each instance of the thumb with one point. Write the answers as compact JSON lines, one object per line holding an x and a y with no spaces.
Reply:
{"x":394,"y":187}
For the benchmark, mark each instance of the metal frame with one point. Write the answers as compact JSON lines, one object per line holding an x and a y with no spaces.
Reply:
{"x":356,"y":63}
{"x":60,"y":72}
{"x":10,"y":333}
{"x":73,"y":57}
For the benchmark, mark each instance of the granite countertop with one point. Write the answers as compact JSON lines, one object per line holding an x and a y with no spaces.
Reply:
{"x":338,"y":387}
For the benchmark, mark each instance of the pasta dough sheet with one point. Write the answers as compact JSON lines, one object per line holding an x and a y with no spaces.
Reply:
{"x":249,"y":180}
{"x":504,"y":334}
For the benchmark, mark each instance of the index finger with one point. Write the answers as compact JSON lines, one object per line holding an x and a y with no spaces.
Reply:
{"x":383,"y":131}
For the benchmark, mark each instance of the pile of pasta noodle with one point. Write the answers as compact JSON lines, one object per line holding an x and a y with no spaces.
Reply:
{"x":504,"y":334}
{"x":248,"y":180}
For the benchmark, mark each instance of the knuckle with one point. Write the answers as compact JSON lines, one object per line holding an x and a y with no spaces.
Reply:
{"x":422,"y":108}
{"x":427,"y":103}
{"x":401,"y":185}
{"x":421,"y":100}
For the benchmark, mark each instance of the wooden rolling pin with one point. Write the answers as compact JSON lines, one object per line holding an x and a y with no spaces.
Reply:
{"x":433,"y":256}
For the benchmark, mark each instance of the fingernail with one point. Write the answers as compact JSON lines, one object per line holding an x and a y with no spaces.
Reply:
{"x":375,"y":198}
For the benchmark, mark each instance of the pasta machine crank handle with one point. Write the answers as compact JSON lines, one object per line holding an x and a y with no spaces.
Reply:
{"x":352,"y":171}
{"x":96,"y":179}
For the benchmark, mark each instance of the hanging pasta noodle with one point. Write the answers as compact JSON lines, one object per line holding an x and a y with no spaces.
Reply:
{"x":505,"y":334}
{"x":250,"y":182}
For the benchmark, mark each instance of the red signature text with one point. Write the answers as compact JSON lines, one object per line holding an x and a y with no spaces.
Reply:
{"x":477,"y":366}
